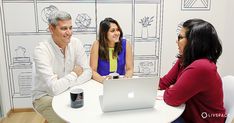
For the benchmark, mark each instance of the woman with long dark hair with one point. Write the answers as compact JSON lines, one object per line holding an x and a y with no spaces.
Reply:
{"x":194,"y":79}
{"x":111,"y":53}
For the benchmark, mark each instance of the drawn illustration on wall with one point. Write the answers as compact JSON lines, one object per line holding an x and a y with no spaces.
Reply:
{"x":20,"y":60}
{"x":25,"y":83}
{"x":141,"y":27}
{"x":83,"y":21}
{"x":146,"y":67}
{"x":87,"y":48}
{"x":145,"y":22}
{"x":46,"y":12}
{"x":196,"y":4}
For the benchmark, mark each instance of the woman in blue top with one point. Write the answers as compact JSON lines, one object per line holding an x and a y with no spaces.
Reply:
{"x":111,"y":53}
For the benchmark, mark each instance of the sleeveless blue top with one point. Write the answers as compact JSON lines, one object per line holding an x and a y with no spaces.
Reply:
{"x":104,"y":65}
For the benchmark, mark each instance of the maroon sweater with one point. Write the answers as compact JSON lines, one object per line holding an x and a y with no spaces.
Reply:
{"x":199,"y":86}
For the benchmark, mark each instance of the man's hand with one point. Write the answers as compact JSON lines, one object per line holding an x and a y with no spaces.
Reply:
{"x":78,"y":70}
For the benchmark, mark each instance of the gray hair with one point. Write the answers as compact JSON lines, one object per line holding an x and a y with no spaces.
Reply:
{"x":57,"y":16}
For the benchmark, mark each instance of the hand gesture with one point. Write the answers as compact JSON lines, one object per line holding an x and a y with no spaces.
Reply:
{"x":78,"y":70}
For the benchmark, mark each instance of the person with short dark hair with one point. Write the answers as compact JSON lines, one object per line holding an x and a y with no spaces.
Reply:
{"x":194,"y":79}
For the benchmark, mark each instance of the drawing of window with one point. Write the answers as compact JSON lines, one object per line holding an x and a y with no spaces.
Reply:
{"x":195,"y":4}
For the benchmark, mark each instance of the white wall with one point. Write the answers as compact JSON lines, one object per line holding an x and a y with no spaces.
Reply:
{"x":1,"y":113}
{"x":226,"y":32}
{"x":4,"y":99}
{"x":220,"y":15}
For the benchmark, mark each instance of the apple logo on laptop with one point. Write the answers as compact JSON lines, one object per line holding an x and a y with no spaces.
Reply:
{"x":131,"y":94}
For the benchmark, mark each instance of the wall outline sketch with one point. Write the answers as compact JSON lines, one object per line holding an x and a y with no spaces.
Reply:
{"x":144,"y":31}
{"x":195,"y":5}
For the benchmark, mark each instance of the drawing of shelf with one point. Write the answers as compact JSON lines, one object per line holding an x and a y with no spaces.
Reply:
{"x":141,"y":22}
{"x":147,"y":39}
{"x":25,"y":83}
{"x":83,"y":18}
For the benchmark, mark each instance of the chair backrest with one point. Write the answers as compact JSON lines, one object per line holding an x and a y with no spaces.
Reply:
{"x":228,"y":88}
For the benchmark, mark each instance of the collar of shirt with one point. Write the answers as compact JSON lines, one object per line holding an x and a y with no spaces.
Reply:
{"x":57,"y":48}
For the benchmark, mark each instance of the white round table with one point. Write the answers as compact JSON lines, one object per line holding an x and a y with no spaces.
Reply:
{"x":91,"y":111}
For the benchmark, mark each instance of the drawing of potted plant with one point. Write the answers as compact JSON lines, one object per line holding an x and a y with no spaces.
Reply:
{"x":145,"y":22}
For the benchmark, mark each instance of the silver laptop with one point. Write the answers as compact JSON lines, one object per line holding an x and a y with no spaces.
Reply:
{"x":129,"y":93}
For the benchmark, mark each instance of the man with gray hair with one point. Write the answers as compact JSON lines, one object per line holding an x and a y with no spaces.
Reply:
{"x":60,"y":63}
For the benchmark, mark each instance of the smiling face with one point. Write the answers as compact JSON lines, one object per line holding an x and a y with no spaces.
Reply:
{"x":113,"y":33}
{"x":182,"y":40}
{"x":62,"y":32}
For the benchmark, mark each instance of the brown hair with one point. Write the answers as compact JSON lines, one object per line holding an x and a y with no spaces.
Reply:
{"x":103,"y":51}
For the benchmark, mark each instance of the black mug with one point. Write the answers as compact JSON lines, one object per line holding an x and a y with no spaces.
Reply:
{"x":77,"y":97}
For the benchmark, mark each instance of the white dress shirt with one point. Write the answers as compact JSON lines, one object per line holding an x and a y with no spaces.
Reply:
{"x":53,"y":70}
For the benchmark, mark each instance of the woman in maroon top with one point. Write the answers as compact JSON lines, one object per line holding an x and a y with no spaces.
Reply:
{"x":194,"y":79}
